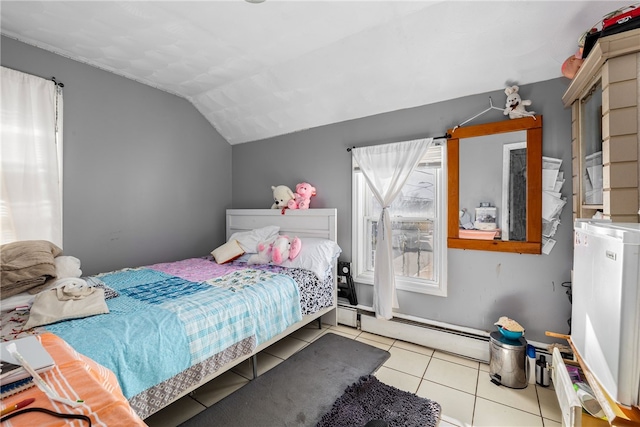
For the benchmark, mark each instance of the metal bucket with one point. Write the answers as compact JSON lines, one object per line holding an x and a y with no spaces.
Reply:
{"x":507,"y":361}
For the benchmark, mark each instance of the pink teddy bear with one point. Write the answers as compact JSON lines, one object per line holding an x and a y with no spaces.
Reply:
{"x":302,"y":196}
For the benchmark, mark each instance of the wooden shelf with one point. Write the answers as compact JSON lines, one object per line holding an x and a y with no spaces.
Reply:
{"x":605,"y":102}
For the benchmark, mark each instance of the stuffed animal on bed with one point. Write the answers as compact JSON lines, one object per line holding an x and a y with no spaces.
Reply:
{"x":515,"y":105}
{"x":263,"y":256}
{"x":282,"y":249}
{"x":281,"y":196}
{"x":285,"y":248}
{"x":304,"y":192}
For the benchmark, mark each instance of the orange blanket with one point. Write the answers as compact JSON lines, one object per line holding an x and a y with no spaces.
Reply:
{"x":75,"y":377}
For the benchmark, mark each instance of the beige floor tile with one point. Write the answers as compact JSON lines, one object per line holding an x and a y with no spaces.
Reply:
{"x":286,"y":347}
{"x":492,"y":414}
{"x":337,"y":332}
{"x":309,"y":332}
{"x":549,"y":404}
{"x":456,"y":359}
{"x":345,"y":330}
{"x":176,"y":413}
{"x":524,"y":399}
{"x":452,"y":375}
{"x":398,"y":379}
{"x":407,"y":361}
{"x":484,"y":367}
{"x":457,"y":406}
{"x":378,"y":344}
{"x":219,"y":388}
{"x":413,"y":347}
{"x":550,"y":423}
{"x":265,"y":362}
{"x":377,"y":338}
{"x":445,"y":422}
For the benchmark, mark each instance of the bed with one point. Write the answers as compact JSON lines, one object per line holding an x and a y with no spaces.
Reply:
{"x":172,"y":327}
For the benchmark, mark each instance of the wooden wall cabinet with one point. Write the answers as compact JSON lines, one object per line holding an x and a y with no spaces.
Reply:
{"x":606,"y":88}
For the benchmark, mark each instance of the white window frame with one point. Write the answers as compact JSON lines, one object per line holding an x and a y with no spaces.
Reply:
{"x":436,"y":287}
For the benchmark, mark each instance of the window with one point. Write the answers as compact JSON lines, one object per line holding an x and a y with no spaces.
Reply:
{"x":418,"y":217}
{"x":31,"y":162}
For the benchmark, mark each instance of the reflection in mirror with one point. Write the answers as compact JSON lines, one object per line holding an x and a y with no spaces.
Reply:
{"x":514,"y":191}
{"x":495,"y":186}
{"x":491,"y":191}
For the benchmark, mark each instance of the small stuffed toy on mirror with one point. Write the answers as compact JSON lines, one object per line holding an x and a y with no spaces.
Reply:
{"x":304,"y":192}
{"x":515,"y":105}
{"x":281,"y":196}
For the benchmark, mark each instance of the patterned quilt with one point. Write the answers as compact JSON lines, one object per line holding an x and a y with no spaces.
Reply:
{"x":172,"y":324}
{"x":161,"y":324}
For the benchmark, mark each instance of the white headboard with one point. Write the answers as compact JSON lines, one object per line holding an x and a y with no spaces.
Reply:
{"x":294,"y":222}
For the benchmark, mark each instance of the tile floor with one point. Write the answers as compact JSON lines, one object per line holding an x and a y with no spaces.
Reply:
{"x":461,"y":386}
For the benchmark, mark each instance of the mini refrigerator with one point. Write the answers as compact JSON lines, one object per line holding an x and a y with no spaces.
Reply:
{"x":605,"y":317}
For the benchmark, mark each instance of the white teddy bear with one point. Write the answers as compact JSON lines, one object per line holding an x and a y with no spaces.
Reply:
{"x":281,"y":249}
{"x":281,"y":196}
{"x":264,"y":254}
{"x":515,"y":105}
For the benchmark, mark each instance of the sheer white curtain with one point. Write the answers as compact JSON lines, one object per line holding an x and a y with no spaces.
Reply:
{"x":386,"y":169}
{"x":31,"y":161}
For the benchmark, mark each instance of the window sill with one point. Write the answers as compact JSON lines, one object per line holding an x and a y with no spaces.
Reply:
{"x":408,"y":285}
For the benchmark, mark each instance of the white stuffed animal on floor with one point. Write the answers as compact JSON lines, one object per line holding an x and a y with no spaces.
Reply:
{"x":515,"y":105}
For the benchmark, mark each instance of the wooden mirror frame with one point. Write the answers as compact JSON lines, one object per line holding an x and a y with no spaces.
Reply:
{"x":533,"y":243}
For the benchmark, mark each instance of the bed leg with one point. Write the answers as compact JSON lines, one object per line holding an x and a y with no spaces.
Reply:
{"x":254,"y":365}
{"x":319,"y":322}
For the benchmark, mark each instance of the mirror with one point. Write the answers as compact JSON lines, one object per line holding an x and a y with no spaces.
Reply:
{"x":495,"y":186}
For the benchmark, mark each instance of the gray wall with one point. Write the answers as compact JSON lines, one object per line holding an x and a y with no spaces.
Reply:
{"x":146,"y":177}
{"x":482,"y":285}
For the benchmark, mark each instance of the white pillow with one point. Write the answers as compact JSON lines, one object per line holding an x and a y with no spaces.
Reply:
{"x":227,"y":252}
{"x":67,"y":266}
{"x":316,"y":254}
{"x":248,"y":240}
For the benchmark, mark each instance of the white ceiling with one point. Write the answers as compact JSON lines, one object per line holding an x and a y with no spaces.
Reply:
{"x":260,"y":70}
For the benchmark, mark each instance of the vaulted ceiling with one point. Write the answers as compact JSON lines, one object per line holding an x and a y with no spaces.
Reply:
{"x":260,"y":70}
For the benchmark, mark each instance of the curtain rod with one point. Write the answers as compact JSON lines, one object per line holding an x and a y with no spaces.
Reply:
{"x":445,"y":136}
{"x":57,"y":83}
{"x":53,"y":79}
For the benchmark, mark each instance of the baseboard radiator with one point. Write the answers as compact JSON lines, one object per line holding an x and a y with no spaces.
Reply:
{"x":448,"y":340}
